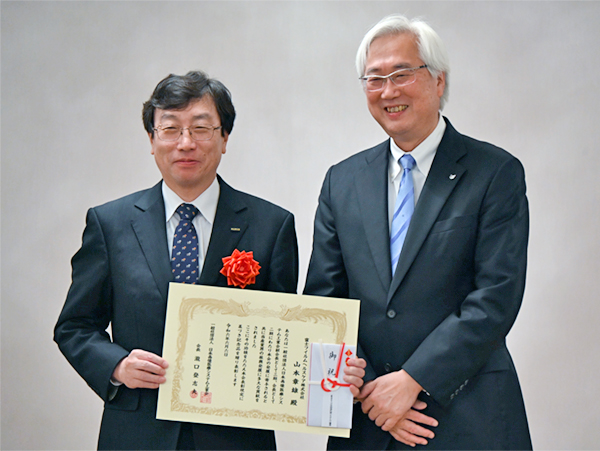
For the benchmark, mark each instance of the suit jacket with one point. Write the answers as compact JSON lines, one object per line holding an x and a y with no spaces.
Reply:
{"x":444,"y":315}
{"x":121,"y":276}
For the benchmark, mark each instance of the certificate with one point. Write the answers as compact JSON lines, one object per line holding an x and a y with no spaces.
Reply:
{"x":243,"y":358}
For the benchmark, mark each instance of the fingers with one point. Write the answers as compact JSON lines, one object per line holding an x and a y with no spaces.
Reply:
{"x":355,"y":392}
{"x":391,"y":403}
{"x":354,"y":377}
{"x":419,"y":405}
{"x":408,"y":438}
{"x":144,"y":380}
{"x":416,"y":430}
{"x":354,"y":372}
{"x":141,"y":369}
{"x":410,"y":433}
{"x":418,"y":417}
{"x":356,"y":362}
{"x":390,"y":399}
{"x":367,"y":404}
{"x":384,"y":419}
{"x":367,"y":389}
{"x":388,"y":424}
{"x":149,"y":357}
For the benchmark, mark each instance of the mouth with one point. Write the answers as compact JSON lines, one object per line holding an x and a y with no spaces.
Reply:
{"x":186,"y":161}
{"x":396,"y":109}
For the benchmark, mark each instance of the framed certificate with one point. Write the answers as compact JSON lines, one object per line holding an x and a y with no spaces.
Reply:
{"x":243,"y":357}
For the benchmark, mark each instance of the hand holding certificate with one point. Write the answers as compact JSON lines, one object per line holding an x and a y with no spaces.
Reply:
{"x":243,"y":358}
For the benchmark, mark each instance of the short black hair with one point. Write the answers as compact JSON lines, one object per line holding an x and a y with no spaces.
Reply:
{"x":175,"y":92}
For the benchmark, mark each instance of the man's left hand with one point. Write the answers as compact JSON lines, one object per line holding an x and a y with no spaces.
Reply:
{"x":409,"y":429}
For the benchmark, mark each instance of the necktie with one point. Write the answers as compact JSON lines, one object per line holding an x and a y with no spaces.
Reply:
{"x":403,"y":210}
{"x":184,"y":255}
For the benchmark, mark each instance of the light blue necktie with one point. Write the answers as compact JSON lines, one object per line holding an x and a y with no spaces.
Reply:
{"x":403,"y":210}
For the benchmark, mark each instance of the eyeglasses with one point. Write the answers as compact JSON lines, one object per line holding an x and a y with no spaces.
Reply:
{"x":401,"y":77}
{"x":197,"y":133}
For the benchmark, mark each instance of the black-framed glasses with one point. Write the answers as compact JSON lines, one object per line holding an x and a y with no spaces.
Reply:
{"x":170,"y":133}
{"x":401,"y":77}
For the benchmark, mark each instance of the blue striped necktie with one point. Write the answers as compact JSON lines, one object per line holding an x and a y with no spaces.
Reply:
{"x":184,"y":255}
{"x":403,"y":210}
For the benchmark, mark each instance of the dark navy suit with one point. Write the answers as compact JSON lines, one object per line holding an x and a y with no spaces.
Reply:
{"x":121,"y":276}
{"x":444,"y":315}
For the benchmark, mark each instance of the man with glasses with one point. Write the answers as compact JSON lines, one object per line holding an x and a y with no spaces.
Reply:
{"x":132,"y":248}
{"x":429,"y":230}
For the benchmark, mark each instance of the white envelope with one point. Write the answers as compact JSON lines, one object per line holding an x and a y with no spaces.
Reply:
{"x":329,"y":398}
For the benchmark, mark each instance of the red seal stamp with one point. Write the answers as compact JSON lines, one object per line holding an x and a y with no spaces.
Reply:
{"x":206,"y":397}
{"x":194,"y":393}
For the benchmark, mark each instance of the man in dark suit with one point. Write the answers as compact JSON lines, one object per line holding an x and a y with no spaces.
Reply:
{"x":435,"y":310}
{"x":122,"y":271}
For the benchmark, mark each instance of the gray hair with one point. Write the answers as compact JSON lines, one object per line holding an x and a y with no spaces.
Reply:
{"x":431,"y":48}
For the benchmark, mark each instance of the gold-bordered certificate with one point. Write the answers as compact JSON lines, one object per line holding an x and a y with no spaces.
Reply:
{"x":242,"y":357}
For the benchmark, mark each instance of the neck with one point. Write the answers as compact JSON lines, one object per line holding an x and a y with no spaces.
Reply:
{"x":410,"y":145}
{"x":191,"y":193}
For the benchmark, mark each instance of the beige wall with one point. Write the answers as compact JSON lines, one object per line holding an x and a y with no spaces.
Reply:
{"x":74,"y":76}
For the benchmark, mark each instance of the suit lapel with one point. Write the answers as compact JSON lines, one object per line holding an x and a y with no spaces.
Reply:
{"x":443,"y":176}
{"x":227,"y":231}
{"x":150,"y":229}
{"x":371,"y":188}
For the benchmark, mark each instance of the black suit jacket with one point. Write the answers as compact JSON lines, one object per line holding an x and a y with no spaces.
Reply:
{"x":121,"y":276}
{"x":444,"y":315}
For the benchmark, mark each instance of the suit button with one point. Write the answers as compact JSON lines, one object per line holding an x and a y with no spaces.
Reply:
{"x":388,"y":367}
{"x":391,"y":313}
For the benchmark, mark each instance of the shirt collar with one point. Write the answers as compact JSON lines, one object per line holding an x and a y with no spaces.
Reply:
{"x":423,"y":153}
{"x":206,"y":203}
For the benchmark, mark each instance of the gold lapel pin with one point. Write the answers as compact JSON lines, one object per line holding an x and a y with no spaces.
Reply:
{"x":235,"y":229}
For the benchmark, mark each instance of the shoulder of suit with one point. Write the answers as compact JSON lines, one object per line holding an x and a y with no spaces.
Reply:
{"x":471,"y":151}
{"x":130,"y":199}
{"x":252,"y":201}
{"x":364,"y":157}
{"x":486,"y":150}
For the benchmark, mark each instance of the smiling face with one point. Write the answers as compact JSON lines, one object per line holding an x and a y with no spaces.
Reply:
{"x":189,"y":167}
{"x":410,"y":113}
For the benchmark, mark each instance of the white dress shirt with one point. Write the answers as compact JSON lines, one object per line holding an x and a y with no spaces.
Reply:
{"x":206,"y":203}
{"x":423,"y":155}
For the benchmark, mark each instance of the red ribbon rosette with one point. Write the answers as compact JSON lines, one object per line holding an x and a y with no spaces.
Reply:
{"x":240,"y":269}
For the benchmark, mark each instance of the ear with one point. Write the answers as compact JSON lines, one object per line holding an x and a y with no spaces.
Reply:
{"x":441,"y":84}
{"x":225,"y":139}
{"x":151,"y":143}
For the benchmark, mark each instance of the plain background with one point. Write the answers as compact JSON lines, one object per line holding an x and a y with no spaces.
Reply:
{"x":525,"y":76}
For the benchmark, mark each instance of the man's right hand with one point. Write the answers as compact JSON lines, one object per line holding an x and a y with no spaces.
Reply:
{"x":395,"y":393}
{"x":141,"y":369}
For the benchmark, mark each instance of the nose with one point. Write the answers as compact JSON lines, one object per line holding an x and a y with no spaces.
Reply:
{"x":390,"y":90}
{"x":185,"y":141}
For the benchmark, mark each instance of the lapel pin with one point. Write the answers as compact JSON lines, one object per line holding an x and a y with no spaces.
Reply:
{"x":452,"y":176}
{"x":235,"y":229}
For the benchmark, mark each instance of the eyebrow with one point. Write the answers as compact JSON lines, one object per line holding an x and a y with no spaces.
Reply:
{"x":373,"y":70}
{"x":195,"y":118}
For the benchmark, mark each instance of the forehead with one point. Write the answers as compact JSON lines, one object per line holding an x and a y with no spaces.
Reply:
{"x":392,"y":52}
{"x":203,"y":109}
